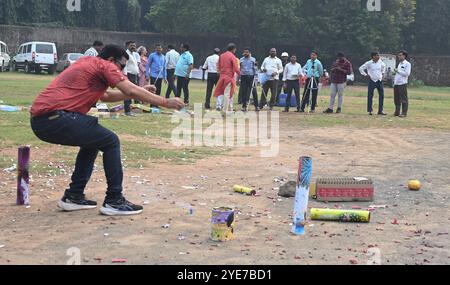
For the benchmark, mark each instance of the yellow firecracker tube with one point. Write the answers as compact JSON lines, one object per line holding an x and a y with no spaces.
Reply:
{"x":244,"y":190}
{"x":346,"y":216}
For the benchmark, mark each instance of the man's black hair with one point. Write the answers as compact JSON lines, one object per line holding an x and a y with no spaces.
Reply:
{"x":340,"y":54}
{"x":158,"y":45}
{"x":97,"y":44}
{"x":170,"y":47}
{"x":404,"y":52}
{"x":129,"y":42}
{"x":315,"y":52}
{"x":186,"y":47}
{"x":247,"y":48}
{"x":113,"y":51}
{"x":231,"y":47}
{"x":373,"y":54}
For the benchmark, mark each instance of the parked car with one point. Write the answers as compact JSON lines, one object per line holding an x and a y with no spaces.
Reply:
{"x":67,"y":60}
{"x":36,"y":56}
{"x":4,"y":57}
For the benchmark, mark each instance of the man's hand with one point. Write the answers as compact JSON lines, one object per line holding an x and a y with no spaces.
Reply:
{"x":274,"y":74}
{"x":285,"y":86}
{"x":175,"y":103}
{"x":165,"y":81}
{"x":150,"y":88}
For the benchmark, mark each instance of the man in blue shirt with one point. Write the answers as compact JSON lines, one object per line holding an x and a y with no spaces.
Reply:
{"x":156,"y":68}
{"x":247,"y":80}
{"x":183,"y":72}
{"x":313,"y":70}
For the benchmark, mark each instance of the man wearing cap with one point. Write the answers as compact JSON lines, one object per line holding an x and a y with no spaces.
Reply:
{"x":213,"y":76}
{"x":281,"y":87}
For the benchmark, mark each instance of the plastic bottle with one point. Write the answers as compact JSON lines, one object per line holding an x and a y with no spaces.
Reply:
{"x":6,"y":108}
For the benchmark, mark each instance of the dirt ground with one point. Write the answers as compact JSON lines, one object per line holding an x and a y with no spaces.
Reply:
{"x":413,"y":229}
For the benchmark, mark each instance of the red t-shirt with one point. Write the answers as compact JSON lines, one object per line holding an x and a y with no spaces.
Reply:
{"x":79,"y":87}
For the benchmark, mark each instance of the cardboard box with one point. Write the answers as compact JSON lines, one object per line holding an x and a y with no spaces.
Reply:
{"x":345,"y":189}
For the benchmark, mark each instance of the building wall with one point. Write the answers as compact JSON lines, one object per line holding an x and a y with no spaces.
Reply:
{"x":434,"y":71}
{"x":75,"y":40}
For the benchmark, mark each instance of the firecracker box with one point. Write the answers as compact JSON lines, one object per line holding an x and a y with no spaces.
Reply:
{"x":358,"y":189}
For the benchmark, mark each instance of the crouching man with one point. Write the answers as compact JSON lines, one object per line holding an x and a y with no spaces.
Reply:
{"x":58,"y":116}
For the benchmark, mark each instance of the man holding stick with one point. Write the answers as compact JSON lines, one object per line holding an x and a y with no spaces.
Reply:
{"x":58,"y":116}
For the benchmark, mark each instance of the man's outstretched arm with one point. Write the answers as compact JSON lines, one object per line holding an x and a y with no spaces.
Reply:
{"x":128,"y":90}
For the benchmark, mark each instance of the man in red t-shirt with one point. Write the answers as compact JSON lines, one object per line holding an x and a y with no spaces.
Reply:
{"x":58,"y":116}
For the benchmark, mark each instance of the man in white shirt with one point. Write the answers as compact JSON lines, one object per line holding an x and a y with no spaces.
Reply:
{"x":402,"y":74}
{"x":96,"y":48}
{"x":375,"y":69}
{"x":172,"y":57}
{"x":293,"y":71}
{"x":272,"y":67}
{"x":131,"y":70}
{"x":210,"y":66}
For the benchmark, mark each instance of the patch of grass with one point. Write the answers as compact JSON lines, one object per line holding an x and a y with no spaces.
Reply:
{"x":429,"y":108}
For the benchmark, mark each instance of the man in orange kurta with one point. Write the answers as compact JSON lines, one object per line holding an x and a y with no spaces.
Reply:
{"x":228,"y":67}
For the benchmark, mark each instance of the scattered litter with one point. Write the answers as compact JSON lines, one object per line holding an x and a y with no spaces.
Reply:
{"x":119,"y":260}
{"x":11,"y":169}
{"x":28,"y":207}
{"x":190,"y":187}
{"x":395,"y":222}
{"x":353,"y":261}
{"x":181,"y":237}
{"x":378,"y":206}
{"x":146,"y":203}
{"x":166,"y":226}
{"x":106,"y":235}
{"x":2,"y":245}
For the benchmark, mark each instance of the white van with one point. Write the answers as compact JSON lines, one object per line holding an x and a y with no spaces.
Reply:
{"x":36,"y":56}
{"x":4,"y":57}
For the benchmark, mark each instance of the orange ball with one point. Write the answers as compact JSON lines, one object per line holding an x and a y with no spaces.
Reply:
{"x":414,"y":185}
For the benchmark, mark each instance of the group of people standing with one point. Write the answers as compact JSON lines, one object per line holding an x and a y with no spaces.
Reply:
{"x":144,"y":67}
{"x":279,"y":75}
{"x":285,"y":75}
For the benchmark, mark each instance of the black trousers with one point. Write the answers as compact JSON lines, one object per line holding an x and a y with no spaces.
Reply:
{"x":247,"y":82}
{"x":158,"y":84}
{"x":171,"y":83}
{"x":310,"y":89}
{"x":271,"y":85}
{"x":292,"y":85}
{"x":401,"y":99}
{"x":213,"y":79}
{"x":183,"y":85}
{"x":79,"y":130}
{"x":127,"y":103}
